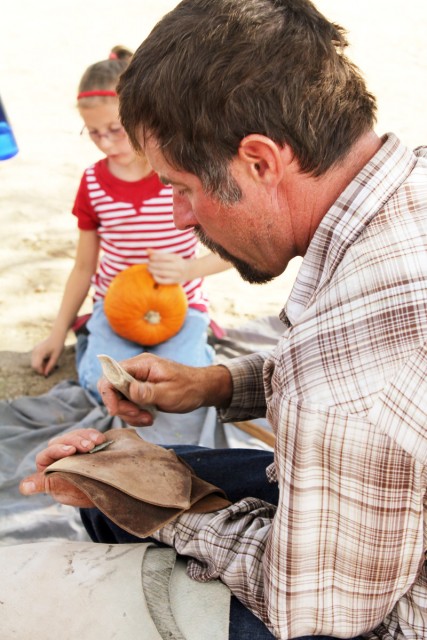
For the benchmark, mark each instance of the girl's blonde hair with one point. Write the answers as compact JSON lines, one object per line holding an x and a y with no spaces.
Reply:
{"x":104,"y":75}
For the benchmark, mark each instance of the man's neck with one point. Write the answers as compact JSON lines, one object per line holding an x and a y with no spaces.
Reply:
{"x":320,"y":193}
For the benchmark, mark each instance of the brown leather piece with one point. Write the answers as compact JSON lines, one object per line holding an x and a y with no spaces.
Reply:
{"x":140,"y":469}
{"x":138,"y":485}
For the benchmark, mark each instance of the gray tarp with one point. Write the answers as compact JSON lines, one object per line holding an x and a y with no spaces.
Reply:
{"x":27,"y":424}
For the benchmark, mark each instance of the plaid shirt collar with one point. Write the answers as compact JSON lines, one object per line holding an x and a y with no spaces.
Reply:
{"x":346,"y":219}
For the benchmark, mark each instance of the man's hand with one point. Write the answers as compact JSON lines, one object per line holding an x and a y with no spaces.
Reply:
{"x":171,"y":387}
{"x":78,"y":441}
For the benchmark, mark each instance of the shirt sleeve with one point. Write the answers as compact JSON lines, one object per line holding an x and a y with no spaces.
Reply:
{"x":248,"y":399}
{"x":344,"y":551}
{"x":227,"y":544}
{"x":86,"y":217}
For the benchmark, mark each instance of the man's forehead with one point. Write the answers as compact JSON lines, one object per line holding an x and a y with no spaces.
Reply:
{"x":168,"y":175}
{"x":156,"y":158}
{"x":151,"y":148}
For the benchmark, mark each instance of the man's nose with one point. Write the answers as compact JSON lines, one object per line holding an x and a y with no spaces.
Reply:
{"x":183,"y":215}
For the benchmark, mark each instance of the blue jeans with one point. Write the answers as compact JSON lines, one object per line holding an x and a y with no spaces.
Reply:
{"x":240,"y":473}
{"x":189,"y":346}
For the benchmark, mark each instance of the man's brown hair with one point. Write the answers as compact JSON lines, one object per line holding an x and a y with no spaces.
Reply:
{"x":213,"y":71}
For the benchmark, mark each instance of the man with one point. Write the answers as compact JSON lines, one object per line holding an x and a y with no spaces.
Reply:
{"x":252,"y":112}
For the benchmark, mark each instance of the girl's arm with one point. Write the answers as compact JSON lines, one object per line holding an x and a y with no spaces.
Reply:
{"x":170,"y":268}
{"x":45,"y":354}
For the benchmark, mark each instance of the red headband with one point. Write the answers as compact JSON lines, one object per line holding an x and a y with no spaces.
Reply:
{"x":97,"y":92}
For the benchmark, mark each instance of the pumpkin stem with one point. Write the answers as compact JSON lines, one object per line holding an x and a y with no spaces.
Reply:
{"x":153,"y":317}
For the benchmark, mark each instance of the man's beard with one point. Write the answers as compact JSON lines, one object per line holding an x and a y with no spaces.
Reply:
{"x":248,"y":273}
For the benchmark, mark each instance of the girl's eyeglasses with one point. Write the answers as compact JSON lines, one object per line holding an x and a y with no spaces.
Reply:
{"x":113,"y":134}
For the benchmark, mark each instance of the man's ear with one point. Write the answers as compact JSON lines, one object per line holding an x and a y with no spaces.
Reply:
{"x":264,"y":159}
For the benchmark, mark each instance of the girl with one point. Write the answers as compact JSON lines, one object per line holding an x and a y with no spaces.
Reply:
{"x":125,"y":217}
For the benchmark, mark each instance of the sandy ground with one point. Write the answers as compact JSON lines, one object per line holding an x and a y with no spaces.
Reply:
{"x":44,"y":48}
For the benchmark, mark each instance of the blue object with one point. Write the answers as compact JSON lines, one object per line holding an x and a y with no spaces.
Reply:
{"x":8,"y":146}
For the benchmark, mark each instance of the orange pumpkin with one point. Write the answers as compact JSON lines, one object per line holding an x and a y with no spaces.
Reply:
{"x":143,"y":311}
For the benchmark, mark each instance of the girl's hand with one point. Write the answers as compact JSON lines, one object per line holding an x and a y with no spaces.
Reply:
{"x":78,"y":441}
{"x":45,"y":355}
{"x":168,"y":268}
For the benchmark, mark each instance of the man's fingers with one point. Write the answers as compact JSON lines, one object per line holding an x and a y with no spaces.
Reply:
{"x":52,"y":453}
{"x":78,"y":436}
{"x":63,"y":446}
{"x":60,"y":490}
{"x":32,"y":484}
{"x":66,"y":493}
{"x":134,"y":415}
{"x":79,"y":441}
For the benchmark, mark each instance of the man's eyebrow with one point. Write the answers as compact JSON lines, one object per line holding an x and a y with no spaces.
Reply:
{"x":168,"y":181}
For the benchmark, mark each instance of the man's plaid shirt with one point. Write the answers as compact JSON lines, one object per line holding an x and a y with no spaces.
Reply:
{"x":345,"y":391}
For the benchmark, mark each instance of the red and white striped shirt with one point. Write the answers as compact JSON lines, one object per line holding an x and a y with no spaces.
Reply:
{"x":131,"y":217}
